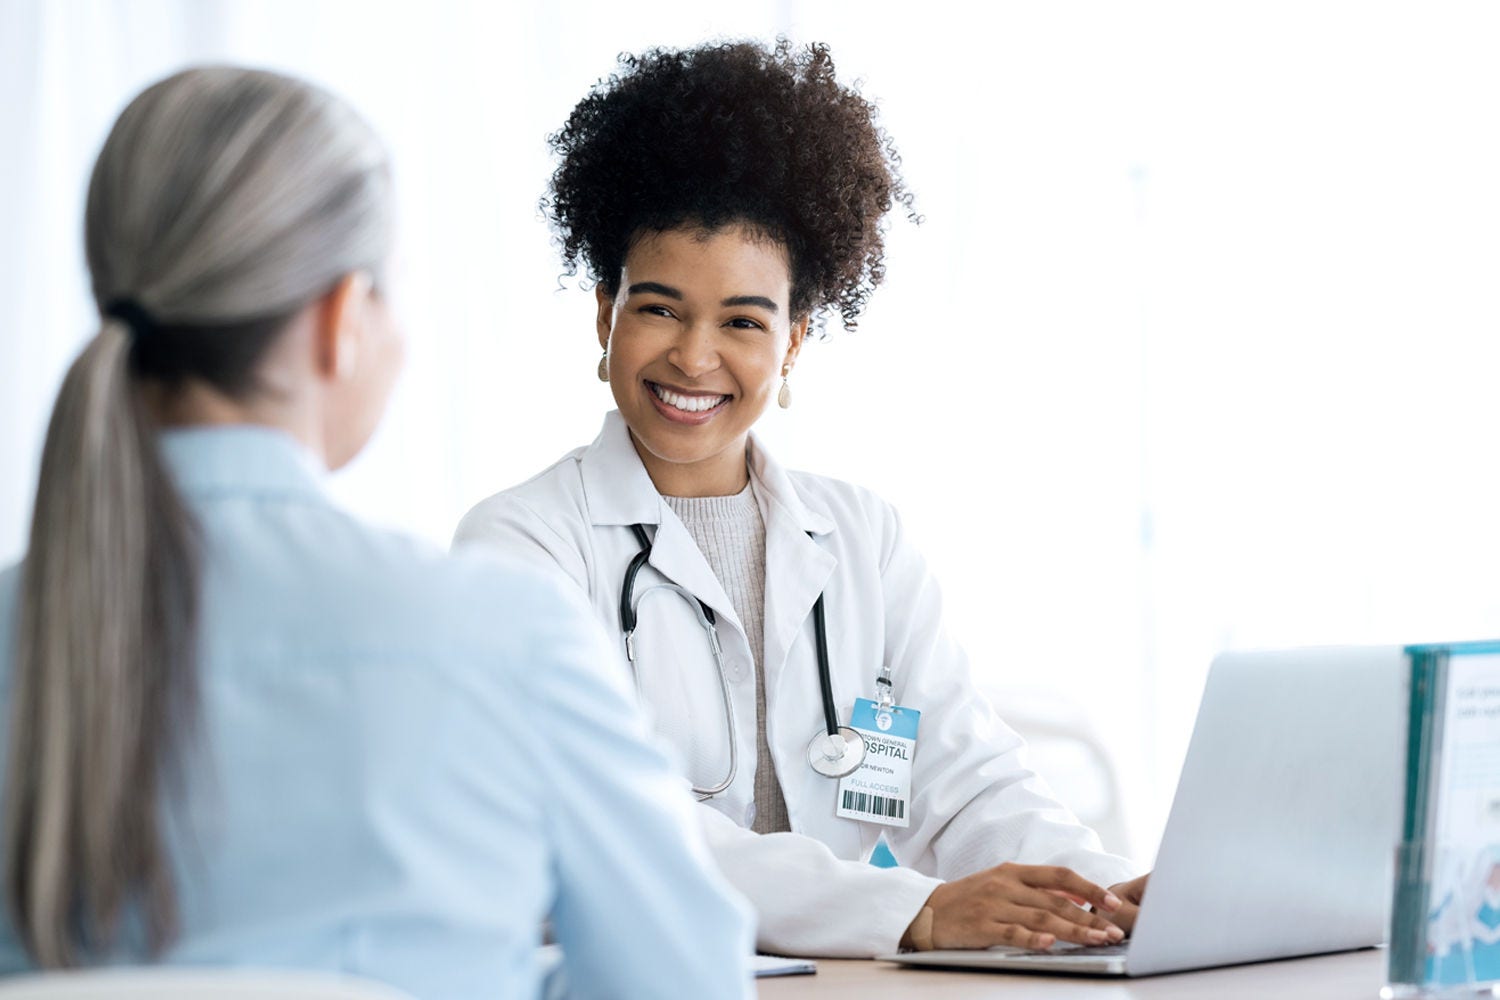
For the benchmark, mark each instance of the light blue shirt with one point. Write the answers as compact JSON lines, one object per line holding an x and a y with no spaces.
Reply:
{"x":405,"y":761}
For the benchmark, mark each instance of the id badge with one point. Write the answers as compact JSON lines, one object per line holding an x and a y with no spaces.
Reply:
{"x":880,"y":790}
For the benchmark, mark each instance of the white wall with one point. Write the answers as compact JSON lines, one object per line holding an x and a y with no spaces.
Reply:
{"x":1195,"y":348}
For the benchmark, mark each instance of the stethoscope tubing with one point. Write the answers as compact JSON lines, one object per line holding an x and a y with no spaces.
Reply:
{"x":627,"y":589}
{"x":825,"y":673}
{"x":842,"y":762}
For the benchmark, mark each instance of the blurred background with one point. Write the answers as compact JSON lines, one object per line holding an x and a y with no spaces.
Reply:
{"x":1195,"y":348}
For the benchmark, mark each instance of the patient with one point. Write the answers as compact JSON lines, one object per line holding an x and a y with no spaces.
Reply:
{"x":243,"y":728}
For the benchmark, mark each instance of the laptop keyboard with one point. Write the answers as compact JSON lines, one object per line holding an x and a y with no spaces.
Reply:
{"x":1100,"y":949}
{"x":1066,"y":950}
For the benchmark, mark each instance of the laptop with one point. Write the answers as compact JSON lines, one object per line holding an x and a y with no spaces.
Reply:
{"x":1283,"y":831}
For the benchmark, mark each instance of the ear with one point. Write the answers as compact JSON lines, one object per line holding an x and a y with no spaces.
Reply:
{"x":606,"y":318}
{"x":799,"y":334}
{"x":341,"y":326}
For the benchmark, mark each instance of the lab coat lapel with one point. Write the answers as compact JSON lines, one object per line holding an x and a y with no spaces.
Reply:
{"x":620,"y":492}
{"x":677,"y":557}
{"x":798,"y":567}
{"x":616,"y":487}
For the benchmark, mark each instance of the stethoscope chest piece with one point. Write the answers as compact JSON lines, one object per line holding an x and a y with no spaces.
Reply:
{"x":834,"y":756}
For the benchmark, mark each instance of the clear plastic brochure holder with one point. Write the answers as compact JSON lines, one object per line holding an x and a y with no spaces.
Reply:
{"x":1445,"y":913}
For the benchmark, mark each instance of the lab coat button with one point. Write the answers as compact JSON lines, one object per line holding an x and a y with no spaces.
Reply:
{"x":736,"y":669}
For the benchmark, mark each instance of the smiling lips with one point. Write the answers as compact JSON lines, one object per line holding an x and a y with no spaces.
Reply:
{"x":685,"y":407}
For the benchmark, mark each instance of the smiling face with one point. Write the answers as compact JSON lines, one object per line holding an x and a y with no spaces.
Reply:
{"x":698,"y":335}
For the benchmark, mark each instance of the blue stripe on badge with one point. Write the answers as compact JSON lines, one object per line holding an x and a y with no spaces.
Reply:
{"x":903,"y":721}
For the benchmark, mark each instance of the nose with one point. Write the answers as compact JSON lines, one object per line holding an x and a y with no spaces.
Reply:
{"x":695,"y":351}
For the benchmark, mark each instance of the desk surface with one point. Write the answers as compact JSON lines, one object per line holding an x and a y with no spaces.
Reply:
{"x":1354,"y":975}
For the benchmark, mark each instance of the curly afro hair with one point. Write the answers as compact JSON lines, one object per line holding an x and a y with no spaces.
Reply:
{"x":723,"y":134}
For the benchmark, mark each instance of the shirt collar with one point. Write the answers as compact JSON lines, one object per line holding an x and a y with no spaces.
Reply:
{"x":777,"y":488}
{"x":619,"y":490}
{"x":240,"y":459}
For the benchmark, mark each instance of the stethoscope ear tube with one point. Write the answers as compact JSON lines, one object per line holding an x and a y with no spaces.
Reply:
{"x":700,"y":611}
{"x":706,"y":620}
{"x":627,"y":590}
{"x":627,"y":613}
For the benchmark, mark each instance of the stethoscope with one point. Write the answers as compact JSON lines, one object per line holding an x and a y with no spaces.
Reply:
{"x":834,"y":750}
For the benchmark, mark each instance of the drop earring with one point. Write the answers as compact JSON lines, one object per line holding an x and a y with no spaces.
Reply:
{"x":604,"y":367}
{"x":784,"y":397}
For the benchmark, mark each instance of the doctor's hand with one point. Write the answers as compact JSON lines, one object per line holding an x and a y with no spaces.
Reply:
{"x":1131,"y":893}
{"x":1026,"y":906}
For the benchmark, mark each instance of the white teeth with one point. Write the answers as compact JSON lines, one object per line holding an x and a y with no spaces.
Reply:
{"x":689,"y":404}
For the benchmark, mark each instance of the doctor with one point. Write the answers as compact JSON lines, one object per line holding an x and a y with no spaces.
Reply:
{"x":784,"y":635}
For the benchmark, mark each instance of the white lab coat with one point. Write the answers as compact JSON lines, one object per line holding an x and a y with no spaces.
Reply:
{"x":974,"y":805}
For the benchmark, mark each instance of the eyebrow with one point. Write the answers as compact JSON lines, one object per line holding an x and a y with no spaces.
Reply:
{"x":667,"y":291}
{"x":751,"y":300}
{"x":654,"y":288}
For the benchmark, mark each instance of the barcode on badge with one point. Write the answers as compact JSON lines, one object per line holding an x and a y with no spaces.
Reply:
{"x":875,"y":805}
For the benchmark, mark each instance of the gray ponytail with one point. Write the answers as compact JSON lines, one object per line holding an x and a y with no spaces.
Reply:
{"x":223,"y":202}
{"x":106,"y":610}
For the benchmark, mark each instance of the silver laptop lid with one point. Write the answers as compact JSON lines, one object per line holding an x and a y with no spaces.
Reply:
{"x":1282,"y":834}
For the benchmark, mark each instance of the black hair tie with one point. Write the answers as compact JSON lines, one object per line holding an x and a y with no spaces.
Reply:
{"x":132,"y":314}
